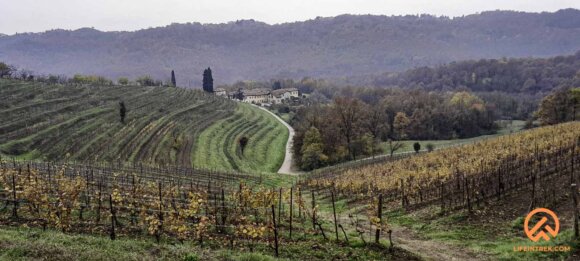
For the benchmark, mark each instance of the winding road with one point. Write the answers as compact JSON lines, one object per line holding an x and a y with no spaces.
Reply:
{"x":287,"y":167}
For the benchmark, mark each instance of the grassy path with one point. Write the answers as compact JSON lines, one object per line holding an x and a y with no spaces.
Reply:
{"x":288,"y":164}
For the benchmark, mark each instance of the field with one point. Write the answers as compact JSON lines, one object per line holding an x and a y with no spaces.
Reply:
{"x":469,"y":202}
{"x":163,"y":126}
{"x":170,"y":210}
{"x":505,"y":127}
{"x":432,"y":169}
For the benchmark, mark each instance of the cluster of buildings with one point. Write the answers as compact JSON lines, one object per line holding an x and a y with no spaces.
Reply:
{"x":261,"y":95}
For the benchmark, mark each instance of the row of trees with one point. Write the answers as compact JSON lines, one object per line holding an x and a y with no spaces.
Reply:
{"x":349,"y":128}
{"x":10,"y":71}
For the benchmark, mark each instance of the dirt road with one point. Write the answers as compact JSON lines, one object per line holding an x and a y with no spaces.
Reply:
{"x":287,"y":167}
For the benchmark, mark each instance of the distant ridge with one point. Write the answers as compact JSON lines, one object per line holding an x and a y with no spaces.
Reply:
{"x":322,"y":47}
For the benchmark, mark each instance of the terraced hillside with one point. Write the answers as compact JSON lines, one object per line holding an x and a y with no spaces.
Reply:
{"x":163,"y":126}
{"x":265,"y":135}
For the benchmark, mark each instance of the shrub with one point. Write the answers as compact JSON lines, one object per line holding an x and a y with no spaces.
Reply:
{"x":518,"y":224}
{"x":191,"y":257}
{"x":243,"y":142}
{"x":416,"y":147}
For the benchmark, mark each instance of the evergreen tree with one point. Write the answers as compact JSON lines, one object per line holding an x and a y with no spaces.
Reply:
{"x":277,"y":85}
{"x":207,"y":80}
{"x":173,"y":82}
{"x":122,"y":111}
{"x":417,"y":147}
{"x":243,"y":142}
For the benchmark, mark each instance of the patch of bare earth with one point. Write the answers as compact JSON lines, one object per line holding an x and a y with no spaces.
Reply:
{"x":407,"y":239}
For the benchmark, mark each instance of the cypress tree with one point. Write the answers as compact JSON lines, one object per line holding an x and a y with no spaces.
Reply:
{"x":277,"y":85}
{"x":207,"y":80}
{"x":173,"y":82}
{"x":122,"y":111}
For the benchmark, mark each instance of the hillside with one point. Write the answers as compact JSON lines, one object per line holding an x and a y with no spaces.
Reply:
{"x":323,"y":47}
{"x":509,"y":75}
{"x":163,"y":126}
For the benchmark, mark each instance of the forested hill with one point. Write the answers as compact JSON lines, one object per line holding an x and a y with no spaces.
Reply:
{"x":320,"y":48}
{"x":513,"y":75}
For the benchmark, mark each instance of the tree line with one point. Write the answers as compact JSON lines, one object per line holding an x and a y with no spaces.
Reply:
{"x":513,"y":75}
{"x":349,"y":127}
{"x":12,"y":72}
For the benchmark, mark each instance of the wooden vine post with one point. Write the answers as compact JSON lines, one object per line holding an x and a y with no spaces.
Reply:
{"x":300,"y":202}
{"x":574,"y":191}
{"x":224,"y":217}
{"x":14,"y":198}
{"x":533,"y":197}
{"x":380,"y":217}
{"x":572,"y":174}
{"x":100,"y":202}
{"x":291,"y":209}
{"x":275,"y":230}
{"x":442,"y":197}
{"x":467,"y":187}
{"x":313,"y":211}
{"x":334,"y":213}
{"x":113,"y":217}
{"x":160,"y":225}
{"x":280,"y":206}
{"x":403,"y":196}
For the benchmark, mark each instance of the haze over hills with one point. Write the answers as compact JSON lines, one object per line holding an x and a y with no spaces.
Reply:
{"x":323,"y":47}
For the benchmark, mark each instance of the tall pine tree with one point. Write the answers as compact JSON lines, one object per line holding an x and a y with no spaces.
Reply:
{"x":173,"y":82}
{"x":207,"y":80}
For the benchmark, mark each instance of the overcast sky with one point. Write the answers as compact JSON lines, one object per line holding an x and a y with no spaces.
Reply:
{"x":116,"y":15}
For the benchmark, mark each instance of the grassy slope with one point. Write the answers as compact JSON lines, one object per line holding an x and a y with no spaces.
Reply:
{"x":493,"y":230}
{"x":490,"y":233}
{"x":163,"y":126}
{"x":218,"y":146}
{"x":34,"y":244}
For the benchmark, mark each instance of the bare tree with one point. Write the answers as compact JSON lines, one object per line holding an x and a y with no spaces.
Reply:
{"x":376,"y":120}
{"x":348,"y":112}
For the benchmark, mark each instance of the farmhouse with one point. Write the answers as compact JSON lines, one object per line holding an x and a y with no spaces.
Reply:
{"x":256,"y":96}
{"x":263,"y":95}
{"x":282,"y":95}
{"x":220,"y":92}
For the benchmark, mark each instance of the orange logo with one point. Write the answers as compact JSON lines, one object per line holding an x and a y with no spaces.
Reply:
{"x":540,"y":226}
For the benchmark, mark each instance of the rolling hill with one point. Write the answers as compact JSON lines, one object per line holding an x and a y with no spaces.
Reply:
{"x":510,"y":75}
{"x":322,"y":47}
{"x":163,"y":126}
